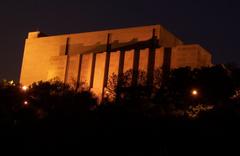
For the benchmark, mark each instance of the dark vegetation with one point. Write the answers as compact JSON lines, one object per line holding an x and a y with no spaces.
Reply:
{"x":164,"y":118}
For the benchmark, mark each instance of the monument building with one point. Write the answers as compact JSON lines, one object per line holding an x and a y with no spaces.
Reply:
{"x":91,"y":57}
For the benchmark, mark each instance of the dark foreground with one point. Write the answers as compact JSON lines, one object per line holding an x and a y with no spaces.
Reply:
{"x":130,"y":135}
{"x":191,"y":112}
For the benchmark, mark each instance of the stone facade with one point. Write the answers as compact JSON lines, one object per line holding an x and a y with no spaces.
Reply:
{"x":93,"y":56}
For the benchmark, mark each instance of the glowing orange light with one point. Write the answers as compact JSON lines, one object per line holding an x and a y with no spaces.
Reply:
{"x":25,"y":103}
{"x":24,"y":88}
{"x":194,"y":92}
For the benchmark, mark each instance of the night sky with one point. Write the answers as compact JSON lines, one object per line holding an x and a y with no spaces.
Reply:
{"x":214,"y":24}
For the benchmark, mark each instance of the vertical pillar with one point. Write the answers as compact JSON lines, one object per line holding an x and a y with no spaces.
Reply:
{"x":86,"y":69}
{"x":135,"y":66}
{"x":79,"y":72}
{"x":157,"y":75}
{"x":72,"y":69}
{"x":67,"y":64}
{"x":92,"y":70}
{"x":159,"y":54}
{"x":166,"y":62}
{"x":150,"y":68}
{"x":143,"y":65}
{"x":67,"y":68}
{"x":121,"y":62}
{"x":98,"y":78}
{"x":106,"y":70}
{"x":151,"y":58}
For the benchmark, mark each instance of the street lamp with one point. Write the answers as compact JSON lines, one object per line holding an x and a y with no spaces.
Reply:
{"x":25,"y":103}
{"x":24,"y":88}
{"x":194,"y":92}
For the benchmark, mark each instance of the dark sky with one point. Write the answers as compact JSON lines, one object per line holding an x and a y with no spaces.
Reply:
{"x":215,"y":24}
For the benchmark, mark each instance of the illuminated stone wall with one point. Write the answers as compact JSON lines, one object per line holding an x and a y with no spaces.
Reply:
{"x":72,"y":69}
{"x":86,"y":68}
{"x":190,"y":55}
{"x":93,"y":57}
{"x":37,"y":58}
{"x":57,"y":67}
{"x":99,"y":73}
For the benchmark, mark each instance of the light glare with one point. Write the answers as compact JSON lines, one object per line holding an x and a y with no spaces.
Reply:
{"x":194,"y":92}
{"x":25,"y":102}
{"x":24,"y":88}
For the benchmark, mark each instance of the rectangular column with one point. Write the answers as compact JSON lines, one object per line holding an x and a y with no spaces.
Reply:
{"x":135,"y":66}
{"x":73,"y":68}
{"x":159,"y":54}
{"x":86,"y":68}
{"x":121,"y":62}
{"x":143,"y":66}
{"x":151,"y":63}
{"x":114,"y":63}
{"x":159,"y":58}
{"x":98,"y":80}
{"x":128,"y":66}
{"x":143,"y":59}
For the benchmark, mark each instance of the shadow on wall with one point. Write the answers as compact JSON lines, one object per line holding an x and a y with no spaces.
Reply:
{"x":115,"y":46}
